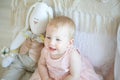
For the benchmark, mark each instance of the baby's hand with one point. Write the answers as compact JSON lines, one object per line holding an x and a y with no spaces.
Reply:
{"x":50,"y":79}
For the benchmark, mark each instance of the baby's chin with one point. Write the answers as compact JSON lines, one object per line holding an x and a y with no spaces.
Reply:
{"x":53,"y":52}
{"x":55,"y":55}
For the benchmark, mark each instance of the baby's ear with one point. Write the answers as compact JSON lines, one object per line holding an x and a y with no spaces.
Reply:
{"x":71,"y":41}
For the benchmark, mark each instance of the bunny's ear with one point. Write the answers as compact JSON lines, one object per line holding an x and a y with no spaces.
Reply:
{"x":118,"y":38}
{"x":28,"y":16}
{"x":50,"y":13}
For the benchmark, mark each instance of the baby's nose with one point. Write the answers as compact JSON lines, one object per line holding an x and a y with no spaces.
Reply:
{"x":52,"y":42}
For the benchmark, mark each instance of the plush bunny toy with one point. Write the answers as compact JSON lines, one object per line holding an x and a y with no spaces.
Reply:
{"x":25,"y":48}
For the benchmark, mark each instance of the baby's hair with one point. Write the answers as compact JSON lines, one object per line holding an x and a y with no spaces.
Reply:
{"x":63,"y":21}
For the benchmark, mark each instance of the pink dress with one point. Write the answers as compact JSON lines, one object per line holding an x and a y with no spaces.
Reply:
{"x":59,"y":68}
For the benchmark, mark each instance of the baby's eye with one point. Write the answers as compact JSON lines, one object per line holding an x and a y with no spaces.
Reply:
{"x":58,"y":40}
{"x":48,"y":37}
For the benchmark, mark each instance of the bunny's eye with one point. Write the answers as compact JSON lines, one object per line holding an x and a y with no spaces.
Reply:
{"x":58,"y":40}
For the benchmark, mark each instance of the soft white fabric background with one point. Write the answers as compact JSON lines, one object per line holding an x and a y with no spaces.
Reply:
{"x":5,"y":28}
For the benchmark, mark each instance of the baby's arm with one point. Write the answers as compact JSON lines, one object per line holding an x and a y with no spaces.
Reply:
{"x":75,"y":66}
{"x":42,"y":68}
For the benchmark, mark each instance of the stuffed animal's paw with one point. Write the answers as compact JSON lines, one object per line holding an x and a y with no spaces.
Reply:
{"x":7,"y":61}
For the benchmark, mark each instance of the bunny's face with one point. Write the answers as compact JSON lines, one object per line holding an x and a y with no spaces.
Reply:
{"x":39,"y":19}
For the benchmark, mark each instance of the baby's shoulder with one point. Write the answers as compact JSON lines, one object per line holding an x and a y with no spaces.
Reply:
{"x":74,"y":52}
{"x":44,"y":50}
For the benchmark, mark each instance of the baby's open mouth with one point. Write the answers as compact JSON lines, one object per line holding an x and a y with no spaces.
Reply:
{"x":52,"y":49}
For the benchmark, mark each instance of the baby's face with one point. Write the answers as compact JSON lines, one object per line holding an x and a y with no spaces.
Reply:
{"x":57,"y":40}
